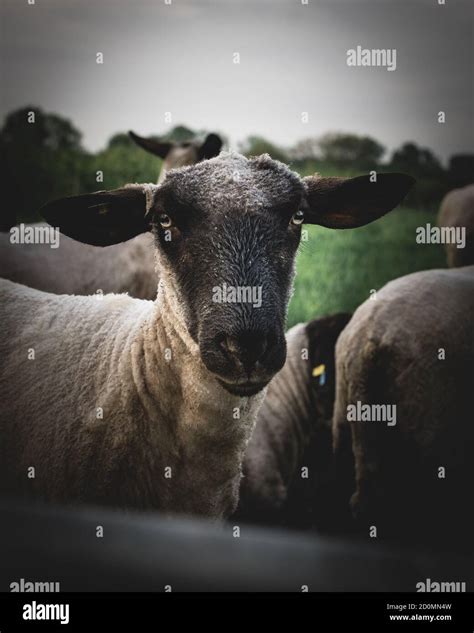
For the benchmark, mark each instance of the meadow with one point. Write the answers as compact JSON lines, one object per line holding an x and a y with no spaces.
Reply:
{"x":337,"y":269}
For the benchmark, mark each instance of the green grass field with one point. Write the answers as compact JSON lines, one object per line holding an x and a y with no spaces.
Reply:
{"x":337,"y":269}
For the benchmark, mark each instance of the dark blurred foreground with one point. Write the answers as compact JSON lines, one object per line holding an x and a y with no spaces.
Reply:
{"x":150,"y":553}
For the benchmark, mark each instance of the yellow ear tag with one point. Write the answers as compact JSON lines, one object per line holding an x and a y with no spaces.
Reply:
{"x":317,"y":371}
{"x":320,"y":371}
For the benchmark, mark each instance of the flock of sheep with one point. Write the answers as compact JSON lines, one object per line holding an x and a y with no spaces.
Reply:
{"x":124,"y":384}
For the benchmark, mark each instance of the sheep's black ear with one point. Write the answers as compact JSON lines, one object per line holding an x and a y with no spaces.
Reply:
{"x":152,"y":145}
{"x":211,"y":147}
{"x":322,"y":336}
{"x":346,"y":203}
{"x":101,"y":218}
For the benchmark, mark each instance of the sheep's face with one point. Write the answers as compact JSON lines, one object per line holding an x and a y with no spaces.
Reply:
{"x":180,"y":155}
{"x":228,"y":231}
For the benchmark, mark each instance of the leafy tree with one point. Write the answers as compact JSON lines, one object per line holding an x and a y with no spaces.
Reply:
{"x":461,"y":170}
{"x":256,"y":145}
{"x":120,"y":140}
{"x":179,"y":133}
{"x":351,"y":150}
{"x":417,"y":161}
{"x":120,"y":163}
{"x":40,"y":159}
{"x":305,"y":149}
{"x":48,"y":131}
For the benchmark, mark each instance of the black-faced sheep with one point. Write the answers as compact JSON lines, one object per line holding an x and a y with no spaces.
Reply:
{"x":151,"y":404}
{"x":72,"y":267}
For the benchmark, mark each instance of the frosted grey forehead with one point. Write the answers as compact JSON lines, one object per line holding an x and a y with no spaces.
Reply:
{"x":230,"y":180}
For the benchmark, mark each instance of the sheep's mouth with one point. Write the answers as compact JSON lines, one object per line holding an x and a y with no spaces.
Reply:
{"x":243,"y":389}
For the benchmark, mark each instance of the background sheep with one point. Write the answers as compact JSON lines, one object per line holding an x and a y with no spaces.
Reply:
{"x":457,"y":210}
{"x":412,"y":347}
{"x":120,"y":389}
{"x":82,"y":269}
{"x":293,"y":432}
{"x":182,"y":154}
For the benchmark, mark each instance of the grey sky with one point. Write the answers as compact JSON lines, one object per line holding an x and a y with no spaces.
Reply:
{"x":179,"y":58}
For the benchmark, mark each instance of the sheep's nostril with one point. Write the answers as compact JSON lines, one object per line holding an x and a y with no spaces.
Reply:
{"x":225,"y":343}
{"x":246,"y":347}
{"x":231,"y":346}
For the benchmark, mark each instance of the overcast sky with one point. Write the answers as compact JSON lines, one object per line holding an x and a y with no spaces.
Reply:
{"x":178,"y":58}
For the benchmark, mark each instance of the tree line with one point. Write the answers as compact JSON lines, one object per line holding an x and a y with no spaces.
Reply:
{"x":42,"y":158}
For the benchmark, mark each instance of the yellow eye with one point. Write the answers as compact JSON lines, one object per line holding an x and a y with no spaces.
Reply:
{"x":298,"y":217}
{"x":165,"y":221}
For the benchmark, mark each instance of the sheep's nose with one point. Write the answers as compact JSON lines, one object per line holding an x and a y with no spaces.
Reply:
{"x":246,"y":347}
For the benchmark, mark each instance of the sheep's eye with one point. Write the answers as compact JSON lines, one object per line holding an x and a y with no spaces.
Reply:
{"x":298,"y":217}
{"x":165,"y":220}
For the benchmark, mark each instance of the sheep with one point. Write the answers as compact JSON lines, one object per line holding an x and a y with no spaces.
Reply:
{"x":82,"y":269}
{"x":293,"y":433}
{"x":457,"y":213}
{"x":179,"y":154}
{"x":150,"y":404}
{"x":412,"y":351}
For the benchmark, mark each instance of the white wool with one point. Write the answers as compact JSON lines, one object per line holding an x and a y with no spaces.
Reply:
{"x":109,"y":354}
{"x":76,"y":268}
{"x":457,"y":210}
